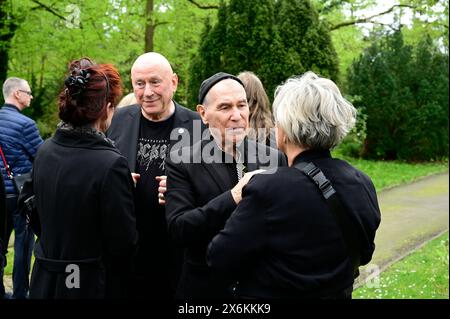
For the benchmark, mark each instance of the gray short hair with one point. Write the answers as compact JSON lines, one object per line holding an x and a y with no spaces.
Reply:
{"x":312,"y":112}
{"x":12,"y":84}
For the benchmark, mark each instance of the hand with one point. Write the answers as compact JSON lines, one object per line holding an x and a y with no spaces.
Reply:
{"x":162,"y":189}
{"x":236,"y":191}
{"x":135,"y":178}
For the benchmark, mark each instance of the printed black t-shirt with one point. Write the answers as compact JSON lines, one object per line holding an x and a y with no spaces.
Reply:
{"x":153,"y":148}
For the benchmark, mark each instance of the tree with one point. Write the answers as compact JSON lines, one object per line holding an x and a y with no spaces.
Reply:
{"x":8,"y":25}
{"x":237,"y":42}
{"x":208,"y":60}
{"x":407,"y":109}
{"x":51,"y":36}
{"x":274,"y":43}
{"x":351,"y":20}
{"x":300,"y":29}
{"x":179,"y":38}
{"x":428,"y":126}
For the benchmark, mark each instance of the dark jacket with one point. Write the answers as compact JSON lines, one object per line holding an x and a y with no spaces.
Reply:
{"x":283,"y":240}
{"x":2,"y":221}
{"x":84,"y":201}
{"x":198,"y":202}
{"x":124,"y":129}
{"x":20,"y":139}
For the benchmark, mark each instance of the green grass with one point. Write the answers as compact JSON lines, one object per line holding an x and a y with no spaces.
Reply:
{"x":10,"y":258}
{"x":385,"y":174}
{"x":423,"y":274}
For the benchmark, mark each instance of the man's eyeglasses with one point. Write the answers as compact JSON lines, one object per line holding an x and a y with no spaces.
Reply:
{"x":26,"y":92}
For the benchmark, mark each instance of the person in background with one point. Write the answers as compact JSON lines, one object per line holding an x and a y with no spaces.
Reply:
{"x":260,"y":119}
{"x":84,"y":199}
{"x":283,"y":240}
{"x":19,"y":140}
{"x":128,"y":99}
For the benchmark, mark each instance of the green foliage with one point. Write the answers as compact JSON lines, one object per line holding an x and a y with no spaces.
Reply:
{"x":422,"y":18}
{"x":353,"y":143}
{"x":275,"y":40}
{"x":421,"y":275}
{"x":431,"y":19}
{"x":385,"y":174}
{"x":178,"y":37}
{"x":45,"y":41}
{"x":37,"y":40}
{"x":208,"y":60}
{"x":301,"y":30}
{"x":405,"y":93}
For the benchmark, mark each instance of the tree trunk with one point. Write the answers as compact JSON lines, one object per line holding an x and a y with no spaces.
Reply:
{"x":149,"y":26}
{"x":7,"y":29}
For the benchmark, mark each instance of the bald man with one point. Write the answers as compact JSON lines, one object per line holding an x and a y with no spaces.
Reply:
{"x":145,"y":133}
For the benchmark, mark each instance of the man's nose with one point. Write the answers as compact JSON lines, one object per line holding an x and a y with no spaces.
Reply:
{"x":235,"y":114}
{"x":148,"y":90}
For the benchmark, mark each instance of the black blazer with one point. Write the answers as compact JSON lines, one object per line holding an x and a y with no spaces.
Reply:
{"x":124,"y":130}
{"x":198,"y":202}
{"x":85,"y":204}
{"x":283,"y":240}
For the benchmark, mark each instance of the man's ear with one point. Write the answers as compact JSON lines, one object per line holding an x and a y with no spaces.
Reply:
{"x":174,"y":82}
{"x":201,"y":109}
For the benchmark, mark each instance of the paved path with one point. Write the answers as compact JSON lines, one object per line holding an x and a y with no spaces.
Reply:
{"x":410,"y":215}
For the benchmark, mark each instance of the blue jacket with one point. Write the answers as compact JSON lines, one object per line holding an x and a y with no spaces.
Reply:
{"x":20,"y":139}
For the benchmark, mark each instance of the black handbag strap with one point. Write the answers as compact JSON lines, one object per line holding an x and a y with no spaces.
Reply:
{"x":329,"y":193}
{"x":7,"y":168}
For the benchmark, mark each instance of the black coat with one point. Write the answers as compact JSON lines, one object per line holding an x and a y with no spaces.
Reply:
{"x":84,"y":201}
{"x":198,"y":203}
{"x":283,"y":240}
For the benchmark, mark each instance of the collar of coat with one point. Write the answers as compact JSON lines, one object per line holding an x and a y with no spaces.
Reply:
{"x":310,"y":155}
{"x":12,"y":106}
{"x":81,"y":136}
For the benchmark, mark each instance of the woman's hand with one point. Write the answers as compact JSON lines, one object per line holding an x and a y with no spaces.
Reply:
{"x":236,"y":191}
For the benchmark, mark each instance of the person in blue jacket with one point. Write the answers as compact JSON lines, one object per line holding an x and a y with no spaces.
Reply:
{"x":19,"y":139}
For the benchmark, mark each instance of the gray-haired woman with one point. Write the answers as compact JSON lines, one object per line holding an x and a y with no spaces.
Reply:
{"x":283,"y":240}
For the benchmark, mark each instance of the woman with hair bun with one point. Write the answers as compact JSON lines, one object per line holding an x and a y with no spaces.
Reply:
{"x":83,"y":194}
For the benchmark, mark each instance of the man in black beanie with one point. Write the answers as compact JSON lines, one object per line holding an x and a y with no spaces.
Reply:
{"x":205,"y":186}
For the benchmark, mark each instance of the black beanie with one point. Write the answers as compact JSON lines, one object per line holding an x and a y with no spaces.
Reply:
{"x":213,"y":80}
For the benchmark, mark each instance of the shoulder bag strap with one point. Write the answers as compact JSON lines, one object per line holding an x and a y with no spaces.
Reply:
{"x":329,"y":193}
{"x":8,"y":169}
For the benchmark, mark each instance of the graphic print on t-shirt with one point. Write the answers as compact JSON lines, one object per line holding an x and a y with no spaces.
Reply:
{"x":152,"y":153}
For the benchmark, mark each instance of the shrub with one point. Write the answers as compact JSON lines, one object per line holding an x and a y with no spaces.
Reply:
{"x":405,"y":94}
